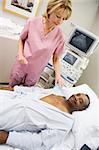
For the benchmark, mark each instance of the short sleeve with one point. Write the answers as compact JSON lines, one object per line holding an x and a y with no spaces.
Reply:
{"x":60,"y":47}
{"x":25,"y":30}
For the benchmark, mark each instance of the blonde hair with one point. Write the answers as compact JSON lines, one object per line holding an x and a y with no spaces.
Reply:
{"x":57,"y":4}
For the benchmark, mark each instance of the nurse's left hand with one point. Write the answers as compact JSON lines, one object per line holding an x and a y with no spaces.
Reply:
{"x":59,"y":80}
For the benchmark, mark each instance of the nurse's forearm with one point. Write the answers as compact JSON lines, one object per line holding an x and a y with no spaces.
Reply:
{"x":21,"y":47}
{"x":56,"y":64}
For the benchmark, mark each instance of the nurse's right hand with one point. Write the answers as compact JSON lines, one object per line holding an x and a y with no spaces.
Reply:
{"x":23,"y":60}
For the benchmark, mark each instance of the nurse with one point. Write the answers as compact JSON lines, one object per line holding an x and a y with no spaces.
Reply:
{"x":40,"y":40}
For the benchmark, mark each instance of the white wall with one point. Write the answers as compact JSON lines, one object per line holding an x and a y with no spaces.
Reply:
{"x":85,"y":14}
{"x":91,"y":74}
{"x":90,"y":20}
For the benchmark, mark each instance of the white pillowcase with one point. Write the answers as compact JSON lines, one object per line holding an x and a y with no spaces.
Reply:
{"x":86,"y":126}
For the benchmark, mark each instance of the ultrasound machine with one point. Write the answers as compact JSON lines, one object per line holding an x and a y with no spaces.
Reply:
{"x":80,"y":45}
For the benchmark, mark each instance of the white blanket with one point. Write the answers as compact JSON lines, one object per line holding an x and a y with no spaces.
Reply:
{"x":24,"y":112}
{"x":18,"y":111}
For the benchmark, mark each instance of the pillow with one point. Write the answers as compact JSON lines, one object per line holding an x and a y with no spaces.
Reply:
{"x":84,"y":88}
{"x":86,"y":125}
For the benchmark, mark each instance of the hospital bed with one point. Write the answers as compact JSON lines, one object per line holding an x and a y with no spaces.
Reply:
{"x":86,"y":123}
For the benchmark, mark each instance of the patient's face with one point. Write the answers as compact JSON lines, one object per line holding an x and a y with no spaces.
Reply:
{"x":79,"y":101}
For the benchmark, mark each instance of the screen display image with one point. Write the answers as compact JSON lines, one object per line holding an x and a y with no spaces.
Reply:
{"x":70,"y":58}
{"x":81,"y":41}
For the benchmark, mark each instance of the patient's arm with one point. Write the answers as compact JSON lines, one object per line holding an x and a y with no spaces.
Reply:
{"x":3,"y":136}
{"x":22,"y":140}
{"x":30,"y":141}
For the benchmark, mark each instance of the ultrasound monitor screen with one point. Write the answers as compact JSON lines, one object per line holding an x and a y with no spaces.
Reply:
{"x":81,"y":41}
{"x":70,"y":58}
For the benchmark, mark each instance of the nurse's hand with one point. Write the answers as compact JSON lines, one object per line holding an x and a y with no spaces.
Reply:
{"x":23,"y":60}
{"x":59,"y":81}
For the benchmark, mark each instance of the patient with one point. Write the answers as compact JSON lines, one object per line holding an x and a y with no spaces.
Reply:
{"x":77,"y":102}
{"x":44,"y":111}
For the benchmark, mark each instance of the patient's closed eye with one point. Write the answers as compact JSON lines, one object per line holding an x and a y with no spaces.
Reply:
{"x":80,"y":100}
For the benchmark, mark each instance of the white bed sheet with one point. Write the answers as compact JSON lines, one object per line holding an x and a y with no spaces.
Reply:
{"x":6,"y":147}
{"x":86,"y":125}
